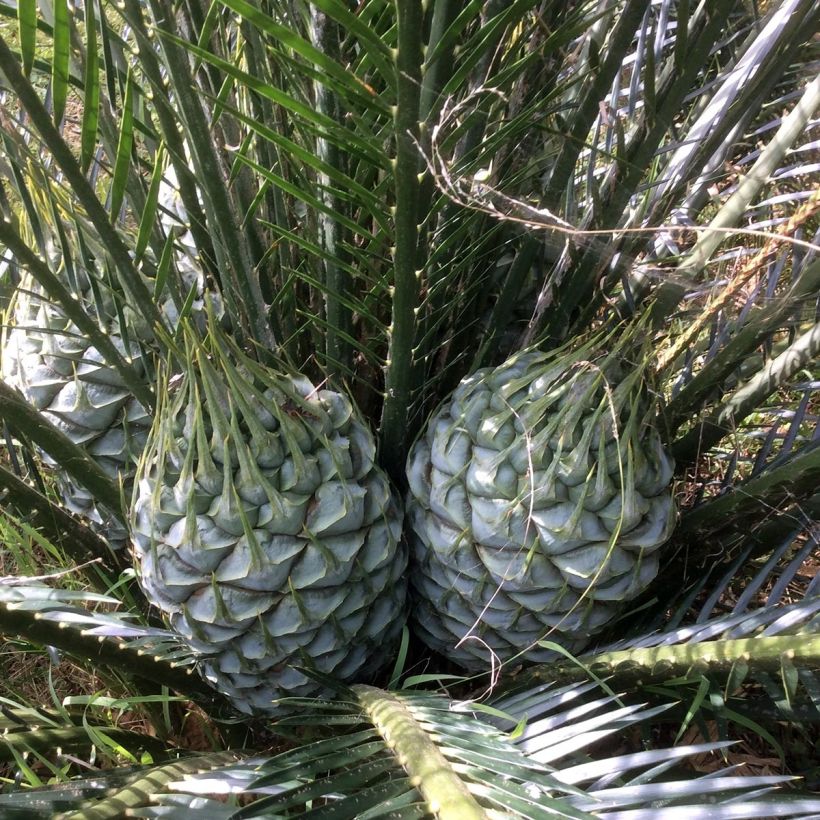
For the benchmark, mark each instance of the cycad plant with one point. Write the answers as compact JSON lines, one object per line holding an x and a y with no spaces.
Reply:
{"x":568,"y":249}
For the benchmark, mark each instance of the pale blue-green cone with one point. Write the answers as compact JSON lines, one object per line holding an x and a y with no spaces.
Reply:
{"x":56,"y":369}
{"x":63,"y":376}
{"x":265,"y":532}
{"x":539,"y":495}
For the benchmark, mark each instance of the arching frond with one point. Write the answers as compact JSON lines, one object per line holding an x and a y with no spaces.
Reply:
{"x":385,"y":754}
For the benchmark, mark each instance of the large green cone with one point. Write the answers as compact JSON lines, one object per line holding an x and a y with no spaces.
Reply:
{"x":58,"y":371}
{"x":539,"y":494}
{"x":265,"y":532}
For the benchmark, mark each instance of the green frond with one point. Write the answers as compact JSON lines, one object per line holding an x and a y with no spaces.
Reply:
{"x":772,"y":647}
{"x":421,"y":755}
{"x":25,"y":731}
{"x":46,"y":616}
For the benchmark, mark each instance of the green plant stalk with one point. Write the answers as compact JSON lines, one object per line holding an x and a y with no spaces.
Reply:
{"x":630,"y":668}
{"x":102,"y":115}
{"x":59,"y":59}
{"x":69,"y":738}
{"x":735,"y":207}
{"x":139,"y":793}
{"x":129,"y":278}
{"x":443,"y":14}
{"x":795,"y":480}
{"x":262,"y":108}
{"x":241,"y":182}
{"x":25,"y":419}
{"x":79,"y":542}
{"x":325,"y":34}
{"x":400,"y":369}
{"x":58,"y":292}
{"x":231,"y":249}
{"x":146,"y":670}
{"x":749,"y":397}
{"x":761,"y":324}
{"x":27,"y":32}
{"x":292,"y":341}
{"x":444,"y":791}
{"x":88,"y":60}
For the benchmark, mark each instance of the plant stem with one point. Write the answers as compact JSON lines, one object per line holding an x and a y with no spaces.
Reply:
{"x":140,"y":792}
{"x":400,"y":372}
{"x":446,"y":795}
{"x":326,"y":35}
{"x":133,"y":13}
{"x":628,"y":668}
{"x":69,"y":738}
{"x":21,"y":622}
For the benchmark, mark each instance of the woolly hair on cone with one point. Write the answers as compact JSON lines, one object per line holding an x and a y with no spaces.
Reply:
{"x":264,"y":530}
{"x":539,"y":496}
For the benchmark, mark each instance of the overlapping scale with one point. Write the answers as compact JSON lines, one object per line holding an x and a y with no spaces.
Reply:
{"x":62,"y":375}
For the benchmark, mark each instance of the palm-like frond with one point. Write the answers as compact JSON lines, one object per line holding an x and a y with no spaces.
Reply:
{"x":54,"y":617}
{"x":419,"y":755}
{"x":775,"y":645}
{"x":367,"y":771}
{"x":760,"y":659}
{"x":28,"y":732}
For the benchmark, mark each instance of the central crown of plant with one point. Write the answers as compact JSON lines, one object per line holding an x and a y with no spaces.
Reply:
{"x":264,"y":530}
